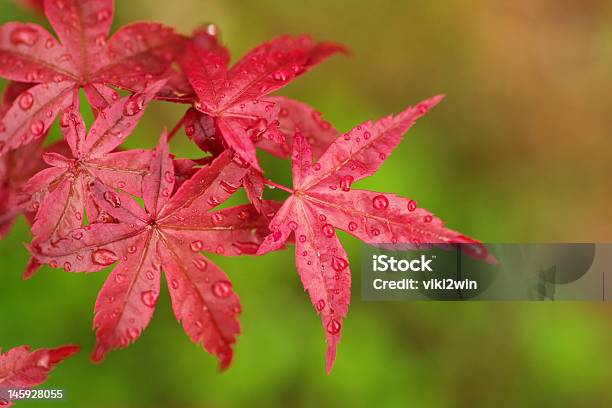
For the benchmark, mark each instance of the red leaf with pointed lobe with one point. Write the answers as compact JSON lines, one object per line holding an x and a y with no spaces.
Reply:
{"x":84,"y":56}
{"x":168,"y":235}
{"x":21,"y":368}
{"x":323,"y":201}
{"x":206,"y":38}
{"x":64,"y":187}
{"x":298,"y":116}
{"x":232,"y":98}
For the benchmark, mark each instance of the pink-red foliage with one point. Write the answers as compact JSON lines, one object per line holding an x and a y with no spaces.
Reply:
{"x":94,"y":204}
{"x":21,"y":368}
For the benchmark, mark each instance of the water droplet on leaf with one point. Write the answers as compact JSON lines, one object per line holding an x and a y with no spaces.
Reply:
{"x":24,"y":36}
{"x":103,"y":257}
{"x":334,"y":326}
{"x":380,"y":202}
{"x":112,"y":198}
{"x":196,"y":246}
{"x":149,"y":298}
{"x":222,"y":289}
{"x":26,"y":100}
{"x":328,"y":230}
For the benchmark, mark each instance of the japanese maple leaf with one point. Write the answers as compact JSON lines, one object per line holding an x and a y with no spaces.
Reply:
{"x":86,"y":58}
{"x":21,"y":368}
{"x":230,"y":101}
{"x":292,"y":116}
{"x":63,"y":188}
{"x":167,"y":235}
{"x":322,"y":201}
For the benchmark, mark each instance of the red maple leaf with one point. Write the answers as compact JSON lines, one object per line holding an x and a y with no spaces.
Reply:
{"x":167,"y":235}
{"x":60,"y":193}
{"x":86,"y":58}
{"x":322,"y":200}
{"x":230,"y":109}
{"x":21,"y":368}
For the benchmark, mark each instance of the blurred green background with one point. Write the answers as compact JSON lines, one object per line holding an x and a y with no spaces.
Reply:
{"x":518,"y":152}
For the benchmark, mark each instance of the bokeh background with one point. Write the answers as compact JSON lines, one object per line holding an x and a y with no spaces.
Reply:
{"x":520,"y":151}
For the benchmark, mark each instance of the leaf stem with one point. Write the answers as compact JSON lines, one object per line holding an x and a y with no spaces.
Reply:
{"x":176,"y":127}
{"x":279,"y":186}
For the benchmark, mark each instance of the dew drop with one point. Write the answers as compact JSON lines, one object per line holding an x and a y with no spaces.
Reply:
{"x":220,"y":249}
{"x":24,"y":36}
{"x":222,"y":289}
{"x":328,"y":230}
{"x":217,"y":218}
{"x":103,"y":15}
{"x":121,"y":184}
{"x":280,"y":76}
{"x":131,"y":249}
{"x":119,"y":278}
{"x":133,"y":333}
{"x":334,"y":326}
{"x":112,"y":198}
{"x":277,"y":235}
{"x":339,"y":264}
{"x":174,"y":283}
{"x":67,"y":266}
{"x":345,"y":182}
{"x":317,"y":166}
{"x":412,"y":205}
{"x":302,"y":238}
{"x":352,"y":226}
{"x":213,"y":201}
{"x":367,"y":135}
{"x":134,"y":105}
{"x":26,"y":100}
{"x":196,"y":246}
{"x":293,"y":225}
{"x":380,"y":202}
{"x":103,"y":257}
{"x":200,"y":263}
{"x":427,"y":218}
{"x":375,"y":232}
{"x":37,"y":128}
{"x":77,"y":235}
{"x":169,"y":177}
{"x":228,"y":188}
{"x":320,"y":305}
{"x":149,"y":298}
{"x":101,"y":40}
{"x":150,"y":275}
